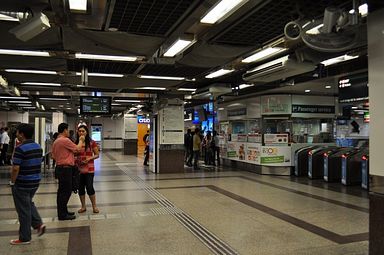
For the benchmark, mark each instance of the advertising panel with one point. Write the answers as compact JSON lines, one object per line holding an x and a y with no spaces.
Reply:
{"x":236,"y":150}
{"x":253,"y":153}
{"x":276,"y":139}
{"x":276,"y":104}
{"x":276,"y":156}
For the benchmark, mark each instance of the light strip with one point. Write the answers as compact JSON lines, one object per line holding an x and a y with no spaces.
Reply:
{"x":52,"y":99}
{"x":30,"y":71}
{"x":161,"y":77}
{"x":8,"y":18}
{"x":116,"y":105}
{"x":24,"y":105}
{"x":178,"y":47}
{"x":127,"y":101}
{"x":78,"y":5}
{"x":49,"y":84}
{"x":243,"y":86}
{"x":221,"y":10}
{"x":339,"y":59}
{"x":263,"y":54}
{"x":20,"y":102}
{"x":186,"y":89}
{"x":153,"y":88}
{"x":218,"y":73}
{"x":105,"y":57}
{"x":14,"y":98}
{"x":29,"y":107}
{"x":103,"y":75}
{"x":24,"y":53}
{"x":363,"y":10}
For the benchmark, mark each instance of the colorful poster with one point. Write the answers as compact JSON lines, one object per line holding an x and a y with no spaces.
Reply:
{"x":276,"y":156}
{"x":253,"y":153}
{"x":236,"y":150}
{"x":276,"y":139}
{"x":254,"y":138}
{"x":276,"y":104}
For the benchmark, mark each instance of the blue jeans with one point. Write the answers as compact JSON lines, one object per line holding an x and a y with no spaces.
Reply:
{"x":26,"y":210}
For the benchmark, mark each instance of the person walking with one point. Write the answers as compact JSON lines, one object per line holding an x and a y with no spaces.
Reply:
{"x":86,"y":165}
{"x":25,"y":179}
{"x":146,"y":150}
{"x":63,"y":150}
{"x":216,"y":146}
{"x":196,"y":148}
{"x":4,"y":143}
{"x":188,"y":145}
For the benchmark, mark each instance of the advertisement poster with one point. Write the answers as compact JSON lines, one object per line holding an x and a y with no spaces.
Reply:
{"x":276,"y":155}
{"x":276,"y":139}
{"x":254,"y":138}
{"x":276,"y":104}
{"x":236,"y":150}
{"x":253,"y":153}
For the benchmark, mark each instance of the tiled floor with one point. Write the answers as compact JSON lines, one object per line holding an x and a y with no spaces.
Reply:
{"x":207,"y":212}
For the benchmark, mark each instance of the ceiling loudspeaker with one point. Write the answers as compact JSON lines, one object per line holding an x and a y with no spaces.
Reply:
{"x":31,"y":27}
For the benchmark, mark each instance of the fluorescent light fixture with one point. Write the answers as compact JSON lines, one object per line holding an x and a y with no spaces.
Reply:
{"x":37,"y":104}
{"x":103,"y":75}
{"x":116,"y":104}
{"x":21,"y":98}
{"x":221,"y":10}
{"x":24,"y":53}
{"x":153,"y":88}
{"x":78,"y":110}
{"x":78,"y":5}
{"x":307,"y":91}
{"x":42,"y":107}
{"x":24,"y":105}
{"x":20,"y":102}
{"x":30,"y":71}
{"x":8,"y":18}
{"x":243,"y":86}
{"x":354,"y":107}
{"x":49,"y":84}
{"x":328,"y":87}
{"x":339,"y":59}
{"x":363,"y":10}
{"x":29,"y":107}
{"x":106,"y":57}
{"x":186,"y":89}
{"x":161,"y":77}
{"x":3,"y":82}
{"x":268,"y":52}
{"x":218,"y":73}
{"x":179,"y":46}
{"x":69,"y":108}
{"x":127,"y":101}
{"x":221,"y":109}
{"x":52,"y":99}
{"x":315,"y":30}
{"x":16,"y":91}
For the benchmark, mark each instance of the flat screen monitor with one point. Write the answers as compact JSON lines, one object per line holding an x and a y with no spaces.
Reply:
{"x":95,"y":105}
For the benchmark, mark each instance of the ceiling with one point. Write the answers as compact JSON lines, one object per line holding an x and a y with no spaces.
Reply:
{"x":146,"y":28}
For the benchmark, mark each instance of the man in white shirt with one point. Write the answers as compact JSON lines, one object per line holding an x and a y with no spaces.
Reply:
{"x":4,"y":143}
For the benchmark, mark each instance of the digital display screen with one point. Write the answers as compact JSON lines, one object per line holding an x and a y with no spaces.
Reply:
{"x":95,"y":105}
{"x":353,"y":88}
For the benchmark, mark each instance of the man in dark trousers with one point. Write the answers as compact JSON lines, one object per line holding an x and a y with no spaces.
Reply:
{"x":63,"y":150}
{"x":4,"y":143}
{"x":188,"y":144}
{"x":25,"y":179}
{"x":146,"y":150}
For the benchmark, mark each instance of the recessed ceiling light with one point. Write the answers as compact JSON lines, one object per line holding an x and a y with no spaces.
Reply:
{"x":161,"y":77}
{"x":218,"y":73}
{"x":221,"y":10}
{"x":107,"y":57}
{"x":49,"y":84}
{"x":78,"y":5}
{"x":307,"y":91}
{"x":24,"y":53}
{"x":30,"y":71}
{"x":363,"y":10}
{"x":268,"y":52}
{"x":186,"y":89}
{"x":243,"y":86}
{"x":328,"y":87}
{"x":177,"y":47}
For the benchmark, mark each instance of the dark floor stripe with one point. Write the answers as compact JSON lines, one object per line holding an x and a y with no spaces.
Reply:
{"x":295,"y":221}
{"x":79,"y":240}
{"x":77,"y":206}
{"x":97,"y":191}
{"x":332,"y":201}
{"x":108,"y":155}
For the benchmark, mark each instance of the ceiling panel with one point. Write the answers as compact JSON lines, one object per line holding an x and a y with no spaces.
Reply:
{"x":268,"y":22}
{"x":148,"y":17}
{"x":102,"y":66}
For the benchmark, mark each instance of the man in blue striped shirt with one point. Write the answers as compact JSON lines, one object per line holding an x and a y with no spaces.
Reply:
{"x":25,"y":177}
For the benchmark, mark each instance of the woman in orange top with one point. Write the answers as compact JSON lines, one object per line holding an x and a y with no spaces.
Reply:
{"x":85,"y":163}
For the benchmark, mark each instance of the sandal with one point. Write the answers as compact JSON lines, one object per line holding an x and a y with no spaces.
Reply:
{"x":81,"y":210}
{"x":95,"y":210}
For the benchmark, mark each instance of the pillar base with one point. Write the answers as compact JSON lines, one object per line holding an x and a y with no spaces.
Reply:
{"x":376,"y":216}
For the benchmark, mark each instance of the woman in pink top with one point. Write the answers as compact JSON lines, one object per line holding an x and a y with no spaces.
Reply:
{"x":85,"y":162}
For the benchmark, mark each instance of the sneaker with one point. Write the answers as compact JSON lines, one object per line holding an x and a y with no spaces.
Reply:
{"x":41,"y":230}
{"x":17,"y":242}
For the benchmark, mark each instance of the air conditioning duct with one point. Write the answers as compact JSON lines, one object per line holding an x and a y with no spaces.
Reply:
{"x":277,"y":69}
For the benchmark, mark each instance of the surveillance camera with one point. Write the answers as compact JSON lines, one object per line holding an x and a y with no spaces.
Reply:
{"x":31,"y":27}
{"x":292,"y":30}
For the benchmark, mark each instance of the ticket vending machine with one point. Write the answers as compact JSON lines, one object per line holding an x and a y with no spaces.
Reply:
{"x":97,"y":134}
